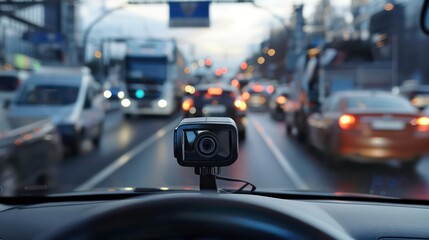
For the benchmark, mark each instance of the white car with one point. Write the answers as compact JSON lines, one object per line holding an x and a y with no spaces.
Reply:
{"x":70,"y":96}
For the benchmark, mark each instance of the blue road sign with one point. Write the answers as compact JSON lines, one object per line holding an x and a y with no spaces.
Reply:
{"x":41,"y":37}
{"x":189,"y":14}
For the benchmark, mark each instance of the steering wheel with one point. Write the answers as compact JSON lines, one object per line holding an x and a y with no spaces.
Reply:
{"x":196,"y":216}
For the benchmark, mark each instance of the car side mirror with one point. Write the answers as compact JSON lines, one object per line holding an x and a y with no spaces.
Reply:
{"x":424,"y":17}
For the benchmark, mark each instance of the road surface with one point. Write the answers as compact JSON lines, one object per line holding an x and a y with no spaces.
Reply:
{"x":139,"y":153}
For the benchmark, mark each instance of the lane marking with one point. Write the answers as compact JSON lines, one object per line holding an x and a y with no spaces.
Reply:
{"x":126,"y":157}
{"x":281,"y":159}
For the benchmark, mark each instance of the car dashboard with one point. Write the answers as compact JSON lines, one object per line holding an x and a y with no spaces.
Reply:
{"x":354,"y":219}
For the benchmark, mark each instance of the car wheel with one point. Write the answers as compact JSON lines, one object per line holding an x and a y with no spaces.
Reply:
{"x":96,"y":141}
{"x":330,"y":157}
{"x":76,"y":146}
{"x":308,"y":143}
{"x":301,"y":135}
{"x":288,"y":129}
{"x":8,"y":180}
{"x":411,"y":164}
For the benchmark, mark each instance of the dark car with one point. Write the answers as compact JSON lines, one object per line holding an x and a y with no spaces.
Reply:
{"x":217,"y":101}
{"x":277,"y":103}
{"x":369,"y":127}
{"x":257,"y":95}
{"x":30,"y":151}
{"x":114,"y":93}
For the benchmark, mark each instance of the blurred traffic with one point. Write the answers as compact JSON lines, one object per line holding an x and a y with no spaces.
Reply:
{"x":330,"y":88}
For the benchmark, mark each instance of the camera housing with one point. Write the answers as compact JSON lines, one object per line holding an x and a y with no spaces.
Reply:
{"x":206,"y":142}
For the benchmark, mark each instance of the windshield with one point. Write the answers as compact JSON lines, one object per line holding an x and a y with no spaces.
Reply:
{"x":146,"y":70}
{"x":328,"y":96}
{"x":34,"y":94}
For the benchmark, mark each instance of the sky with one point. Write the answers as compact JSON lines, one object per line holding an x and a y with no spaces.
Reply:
{"x":236,"y":29}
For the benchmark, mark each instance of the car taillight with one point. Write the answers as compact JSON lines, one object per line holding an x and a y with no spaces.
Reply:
{"x":240,"y":105}
{"x":257,"y":88}
{"x":270,"y":89}
{"x":215,"y":91}
{"x":235,"y":83}
{"x":187,"y":104}
{"x":346,"y":121}
{"x":422,"y":123}
{"x":245,"y":95}
{"x":281,"y":100}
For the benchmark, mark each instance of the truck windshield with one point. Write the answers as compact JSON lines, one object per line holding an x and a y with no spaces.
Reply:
{"x":146,"y":70}
{"x":48,"y":95}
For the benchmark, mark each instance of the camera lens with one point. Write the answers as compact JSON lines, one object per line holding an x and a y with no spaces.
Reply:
{"x":206,"y":145}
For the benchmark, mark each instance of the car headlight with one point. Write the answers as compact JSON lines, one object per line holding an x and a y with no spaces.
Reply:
{"x":121,"y":94}
{"x":107,"y":94}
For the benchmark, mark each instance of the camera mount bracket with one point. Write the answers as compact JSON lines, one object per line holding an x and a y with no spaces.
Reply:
{"x":207,"y":177}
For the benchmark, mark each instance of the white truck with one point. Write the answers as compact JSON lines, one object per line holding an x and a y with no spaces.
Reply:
{"x":153,"y":75}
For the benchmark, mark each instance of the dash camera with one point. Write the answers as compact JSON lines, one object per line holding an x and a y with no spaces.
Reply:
{"x":206,"y":142}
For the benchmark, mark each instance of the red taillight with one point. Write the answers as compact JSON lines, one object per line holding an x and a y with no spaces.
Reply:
{"x":245,"y":95}
{"x":270,"y":89}
{"x":235,"y":83}
{"x":422,"y":123}
{"x":281,"y":100}
{"x":187,"y":104}
{"x":215,"y":91}
{"x":258,"y":88}
{"x":346,"y":121}
{"x":240,"y":105}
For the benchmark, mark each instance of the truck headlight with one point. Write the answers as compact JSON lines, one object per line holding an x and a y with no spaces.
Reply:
{"x":126,"y":102}
{"x":121,"y":94}
{"x":162,"y":103}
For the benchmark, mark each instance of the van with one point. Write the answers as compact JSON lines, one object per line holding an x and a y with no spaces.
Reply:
{"x":70,"y":97}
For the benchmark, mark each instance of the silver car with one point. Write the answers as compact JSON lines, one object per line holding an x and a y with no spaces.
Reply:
{"x":70,"y":97}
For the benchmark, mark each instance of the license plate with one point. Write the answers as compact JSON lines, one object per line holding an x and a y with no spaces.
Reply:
{"x":214,"y":109}
{"x":387,"y":125}
{"x":257,"y":100}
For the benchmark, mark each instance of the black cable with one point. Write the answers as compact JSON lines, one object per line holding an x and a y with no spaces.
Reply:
{"x":246,"y":183}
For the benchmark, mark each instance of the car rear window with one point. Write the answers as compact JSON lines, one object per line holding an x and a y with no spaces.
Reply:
{"x":8,"y":83}
{"x":225,"y":97}
{"x":34,"y":94}
{"x":378,"y":103}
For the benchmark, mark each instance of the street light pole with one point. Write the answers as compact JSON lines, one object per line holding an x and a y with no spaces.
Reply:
{"x":91,"y":26}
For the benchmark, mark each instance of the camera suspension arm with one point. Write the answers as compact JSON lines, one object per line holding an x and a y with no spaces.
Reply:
{"x":207,"y":177}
